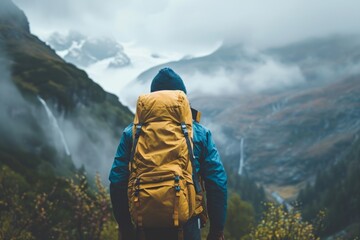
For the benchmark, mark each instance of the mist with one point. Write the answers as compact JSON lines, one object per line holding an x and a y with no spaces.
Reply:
{"x":159,"y":27}
{"x":180,"y":25}
{"x":26,"y":126}
{"x":221,"y":74}
{"x":12,"y":104}
{"x":92,"y":145}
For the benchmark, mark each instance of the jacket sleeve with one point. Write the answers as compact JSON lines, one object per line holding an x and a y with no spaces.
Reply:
{"x":214,"y":175}
{"x":119,"y":176}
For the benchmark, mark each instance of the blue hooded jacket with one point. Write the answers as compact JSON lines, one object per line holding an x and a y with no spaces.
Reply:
{"x":207,"y":161}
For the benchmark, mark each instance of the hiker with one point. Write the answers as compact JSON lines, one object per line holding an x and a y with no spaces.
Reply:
{"x":127,"y":189}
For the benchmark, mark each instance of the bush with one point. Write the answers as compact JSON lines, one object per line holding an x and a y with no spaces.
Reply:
{"x":278,"y":224}
{"x":69,"y":210}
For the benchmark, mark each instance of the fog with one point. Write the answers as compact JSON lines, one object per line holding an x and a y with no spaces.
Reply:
{"x":92,"y":145}
{"x":12,"y":105}
{"x":221,"y":74}
{"x":194,"y":26}
{"x":26,"y":126}
{"x":196,"y":29}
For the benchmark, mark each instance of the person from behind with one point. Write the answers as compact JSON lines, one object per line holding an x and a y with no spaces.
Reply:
{"x":167,"y":177}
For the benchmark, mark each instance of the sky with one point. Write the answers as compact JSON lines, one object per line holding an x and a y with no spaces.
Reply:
{"x":177,"y":28}
{"x":193,"y":27}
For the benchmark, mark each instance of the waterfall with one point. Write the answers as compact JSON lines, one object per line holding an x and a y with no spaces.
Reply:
{"x":55,"y":125}
{"x":241,"y":165}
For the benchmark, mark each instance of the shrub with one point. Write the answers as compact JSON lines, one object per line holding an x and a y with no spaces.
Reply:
{"x":278,"y":224}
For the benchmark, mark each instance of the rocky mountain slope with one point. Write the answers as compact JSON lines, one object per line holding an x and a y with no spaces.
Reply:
{"x":50,"y":105}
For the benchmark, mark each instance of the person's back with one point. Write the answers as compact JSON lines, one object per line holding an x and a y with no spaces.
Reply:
{"x":206,"y":163}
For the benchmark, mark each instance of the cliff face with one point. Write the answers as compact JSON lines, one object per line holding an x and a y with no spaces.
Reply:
{"x":90,"y":119}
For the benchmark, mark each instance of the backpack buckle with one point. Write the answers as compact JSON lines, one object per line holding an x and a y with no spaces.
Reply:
{"x":177,"y":178}
{"x":184,"y":129}
{"x":138,"y":130}
{"x":137,"y":181}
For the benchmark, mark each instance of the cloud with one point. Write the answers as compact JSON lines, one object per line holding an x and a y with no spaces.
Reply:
{"x":251,"y":72}
{"x":191,"y":26}
{"x":271,"y":75}
{"x":264,"y":76}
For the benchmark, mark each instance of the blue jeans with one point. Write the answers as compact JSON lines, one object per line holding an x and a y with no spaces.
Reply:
{"x":191,"y":231}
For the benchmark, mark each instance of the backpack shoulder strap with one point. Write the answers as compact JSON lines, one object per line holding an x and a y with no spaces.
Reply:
{"x":192,"y":159}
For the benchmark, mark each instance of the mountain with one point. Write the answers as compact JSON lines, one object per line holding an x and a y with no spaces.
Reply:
{"x":83,"y":51}
{"x":294,"y":108}
{"x":322,"y":59}
{"x":55,"y":117}
{"x":13,"y":17}
{"x":294,"y":135}
{"x":234,"y":70}
{"x":111,"y":63}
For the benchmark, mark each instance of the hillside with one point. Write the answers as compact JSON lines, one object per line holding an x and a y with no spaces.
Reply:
{"x":336,"y":191}
{"x":294,"y":135}
{"x":86,"y":121}
{"x":58,"y":128}
{"x":295,"y":108}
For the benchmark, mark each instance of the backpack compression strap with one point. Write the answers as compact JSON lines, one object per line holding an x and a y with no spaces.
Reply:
{"x":192,"y":159}
{"x":136,"y":139}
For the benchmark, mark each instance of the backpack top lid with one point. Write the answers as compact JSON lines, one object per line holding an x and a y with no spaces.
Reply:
{"x":166,"y":105}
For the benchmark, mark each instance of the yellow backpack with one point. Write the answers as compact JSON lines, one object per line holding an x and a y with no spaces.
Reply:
{"x":163,"y":189}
